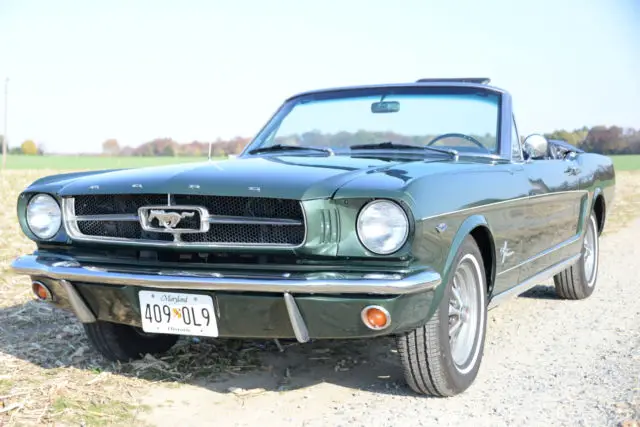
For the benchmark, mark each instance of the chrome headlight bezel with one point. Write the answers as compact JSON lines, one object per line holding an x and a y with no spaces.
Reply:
{"x":41,"y":207}
{"x":395,"y":214}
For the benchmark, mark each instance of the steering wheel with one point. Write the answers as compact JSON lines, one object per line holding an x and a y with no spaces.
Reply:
{"x":458,"y":135}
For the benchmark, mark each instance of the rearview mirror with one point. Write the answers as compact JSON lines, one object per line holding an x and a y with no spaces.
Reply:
{"x":536,"y":146}
{"x":385,"y":107}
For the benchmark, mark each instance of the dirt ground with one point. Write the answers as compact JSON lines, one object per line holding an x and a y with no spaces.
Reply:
{"x":547,"y":361}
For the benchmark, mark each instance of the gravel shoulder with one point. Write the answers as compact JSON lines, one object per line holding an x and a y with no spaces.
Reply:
{"x":547,"y":362}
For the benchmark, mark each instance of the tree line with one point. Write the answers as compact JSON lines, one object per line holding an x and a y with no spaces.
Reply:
{"x":170,"y":147}
{"x":28,"y":147}
{"x":601,"y":139}
{"x":608,"y":140}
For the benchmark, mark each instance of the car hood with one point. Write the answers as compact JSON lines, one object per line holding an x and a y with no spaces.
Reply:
{"x":294,"y":177}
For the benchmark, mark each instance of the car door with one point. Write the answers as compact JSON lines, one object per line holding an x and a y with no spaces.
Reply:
{"x":552,"y":213}
{"x":509,"y":220}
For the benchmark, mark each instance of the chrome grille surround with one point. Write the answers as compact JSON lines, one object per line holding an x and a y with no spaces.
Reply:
{"x":111,"y":227}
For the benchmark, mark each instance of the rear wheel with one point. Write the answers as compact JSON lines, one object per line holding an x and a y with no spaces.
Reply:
{"x":118,"y":342}
{"x":579,"y":280}
{"x":442,"y":358}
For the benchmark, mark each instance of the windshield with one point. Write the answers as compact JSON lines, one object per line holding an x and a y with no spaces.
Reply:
{"x":467,"y":122}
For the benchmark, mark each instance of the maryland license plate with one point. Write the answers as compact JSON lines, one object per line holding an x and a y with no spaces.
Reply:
{"x":177,"y":313}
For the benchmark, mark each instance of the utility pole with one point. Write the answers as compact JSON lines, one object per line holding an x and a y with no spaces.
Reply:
{"x":4,"y":135}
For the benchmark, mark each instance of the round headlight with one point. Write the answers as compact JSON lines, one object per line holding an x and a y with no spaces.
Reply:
{"x":44,"y":216}
{"x":383,"y":227}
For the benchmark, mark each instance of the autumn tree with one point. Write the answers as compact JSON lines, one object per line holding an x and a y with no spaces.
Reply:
{"x":111,"y":147}
{"x":29,"y":147}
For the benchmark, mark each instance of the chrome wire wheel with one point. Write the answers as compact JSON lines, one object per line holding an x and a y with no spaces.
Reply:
{"x":590,"y":253}
{"x":579,"y":280}
{"x":443,"y":356}
{"x":465,"y":313}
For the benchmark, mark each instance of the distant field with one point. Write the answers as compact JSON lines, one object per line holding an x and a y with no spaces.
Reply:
{"x":626,"y":163}
{"x":622,"y":163}
{"x":92,"y":162}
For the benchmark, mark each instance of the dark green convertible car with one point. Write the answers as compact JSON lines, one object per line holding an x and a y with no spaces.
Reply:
{"x":398,"y":209}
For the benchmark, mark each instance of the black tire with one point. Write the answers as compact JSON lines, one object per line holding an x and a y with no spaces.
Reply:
{"x":122,"y":343}
{"x":426,"y":353}
{"x":573,"y":283}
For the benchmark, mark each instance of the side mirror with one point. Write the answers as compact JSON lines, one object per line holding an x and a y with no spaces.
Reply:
{"x":536,"y":146}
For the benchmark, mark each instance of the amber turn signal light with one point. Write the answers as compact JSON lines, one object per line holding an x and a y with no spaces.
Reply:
{"x":376,"y":317}
{"x":41,"y":291}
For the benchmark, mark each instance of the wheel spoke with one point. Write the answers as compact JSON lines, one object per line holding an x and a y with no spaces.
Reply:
{"x":454,"y":311}
{"x":456,"y":293}
{"x":454,"y":329}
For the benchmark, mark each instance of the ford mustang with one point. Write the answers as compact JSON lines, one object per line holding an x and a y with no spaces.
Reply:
{"x":395,"y":209}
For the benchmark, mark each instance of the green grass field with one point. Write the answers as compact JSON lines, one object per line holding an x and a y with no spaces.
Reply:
{"x":626,"y":163}
{"x":622,"y":163}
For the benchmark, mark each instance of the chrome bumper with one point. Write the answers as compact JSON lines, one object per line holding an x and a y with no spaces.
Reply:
{"x":61,"y":268}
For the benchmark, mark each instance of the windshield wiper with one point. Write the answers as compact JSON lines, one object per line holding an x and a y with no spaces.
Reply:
{"x":394,"y":146}
{"x":282,"y":147}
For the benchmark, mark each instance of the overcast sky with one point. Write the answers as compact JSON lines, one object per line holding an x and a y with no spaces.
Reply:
{"x":84,"y":71}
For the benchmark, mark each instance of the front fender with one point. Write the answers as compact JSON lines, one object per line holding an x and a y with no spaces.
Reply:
{"x":465,"y":228}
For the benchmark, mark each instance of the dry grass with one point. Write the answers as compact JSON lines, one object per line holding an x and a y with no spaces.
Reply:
{"x":48,"y":373}
{"x":626,"y":205}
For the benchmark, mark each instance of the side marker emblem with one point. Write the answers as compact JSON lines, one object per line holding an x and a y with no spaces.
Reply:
{"x":505,"y":252}
{"x":441,"y":228}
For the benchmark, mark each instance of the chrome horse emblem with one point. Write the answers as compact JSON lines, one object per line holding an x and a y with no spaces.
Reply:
{"x":505,"y":251}
{"x":169,"y":220}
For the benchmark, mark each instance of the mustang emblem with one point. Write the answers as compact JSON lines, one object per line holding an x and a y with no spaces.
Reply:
{"x":505,"y":251}
{"x":168,"y":220}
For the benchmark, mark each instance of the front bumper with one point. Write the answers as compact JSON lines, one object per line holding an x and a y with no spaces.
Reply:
{"x":300,"y":306}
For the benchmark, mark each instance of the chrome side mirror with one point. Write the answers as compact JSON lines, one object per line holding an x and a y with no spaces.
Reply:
{"x":536,"y":146}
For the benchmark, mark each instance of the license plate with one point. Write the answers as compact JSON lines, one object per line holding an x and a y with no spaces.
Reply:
{"x":178,"y":314}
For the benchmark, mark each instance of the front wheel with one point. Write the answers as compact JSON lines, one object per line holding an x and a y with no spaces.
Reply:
{"x":118,"y":342}
{"x":579,"y":280}
{"x":442,"y":358}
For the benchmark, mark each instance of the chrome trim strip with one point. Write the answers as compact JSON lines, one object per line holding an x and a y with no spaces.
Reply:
{"x":70,"y":221}
{"x":82,"y":311}
{"x":115,"y":217}
{"x":533,"y":281}
{"x":33,"y":265}
{"x":213,"y":219}
{"x":517,"y":199}
{"x":546,"y":252}
{"x":297,"y":322}
{"x":226,"y":219}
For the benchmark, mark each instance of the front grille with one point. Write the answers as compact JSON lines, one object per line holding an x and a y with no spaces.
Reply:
{"x":251,"y":233}
{"x":120,"y":229}
{"x":228,"y":220}
{"x":116,"y":204}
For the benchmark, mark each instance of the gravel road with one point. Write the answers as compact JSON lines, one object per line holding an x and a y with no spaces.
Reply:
{"x":547,"y":362}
